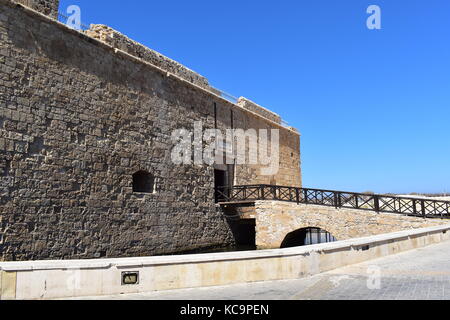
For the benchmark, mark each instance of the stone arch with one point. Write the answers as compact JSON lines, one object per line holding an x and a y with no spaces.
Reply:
{"x":308,"y":222}
{"x":307,"y":236}
{"x":143,"y":182}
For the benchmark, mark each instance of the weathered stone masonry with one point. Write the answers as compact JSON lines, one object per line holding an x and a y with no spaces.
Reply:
{"x":78,"y":118}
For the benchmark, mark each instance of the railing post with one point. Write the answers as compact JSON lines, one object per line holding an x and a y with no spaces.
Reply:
{"x":337,"y":200}
{"x":376,"y":203}
{"x":422,"y":204}
{"x":297,"y":195}
{"x":447,"y":211}
{"x":414,"y":207}
{"x":305,"y":195}
{"x":263,"y":195}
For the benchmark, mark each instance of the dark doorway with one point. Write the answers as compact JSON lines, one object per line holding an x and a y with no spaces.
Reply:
{"x":244,"y":232}
{"x":307,"y":236}
{"x":221,"y":185}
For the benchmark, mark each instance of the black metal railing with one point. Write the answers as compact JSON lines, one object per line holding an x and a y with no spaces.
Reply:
{"x":421,"y":207}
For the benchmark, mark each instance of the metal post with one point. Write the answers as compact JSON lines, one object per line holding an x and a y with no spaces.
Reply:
{"x":422,"y":203}
{"x":376,"y":203}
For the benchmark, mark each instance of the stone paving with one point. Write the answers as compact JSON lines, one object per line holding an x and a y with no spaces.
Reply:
{"x":421,"y":274}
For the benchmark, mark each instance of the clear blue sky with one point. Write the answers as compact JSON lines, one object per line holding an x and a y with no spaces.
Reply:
{"x":373,"y":106}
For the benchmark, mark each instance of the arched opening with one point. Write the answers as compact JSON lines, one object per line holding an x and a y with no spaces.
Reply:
{"x":307,"y":236}
{"x":143,"y":182}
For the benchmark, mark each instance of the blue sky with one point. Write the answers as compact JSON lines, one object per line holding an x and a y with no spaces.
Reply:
{"x":372,"y":105}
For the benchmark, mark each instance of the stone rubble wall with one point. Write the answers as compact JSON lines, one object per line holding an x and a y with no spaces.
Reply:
{"x":77,"y":120}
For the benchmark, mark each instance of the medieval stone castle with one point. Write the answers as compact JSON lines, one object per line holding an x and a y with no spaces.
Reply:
{"x":85,"y":142}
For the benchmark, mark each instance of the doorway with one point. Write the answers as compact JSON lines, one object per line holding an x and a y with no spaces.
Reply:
{"x":221,"y":185}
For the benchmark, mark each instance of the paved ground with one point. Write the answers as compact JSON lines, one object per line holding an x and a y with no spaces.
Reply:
{"x":418,"y":274}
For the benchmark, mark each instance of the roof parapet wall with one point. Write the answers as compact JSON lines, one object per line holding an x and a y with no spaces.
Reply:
{"x":122,"y":42}
{"x":250,"y":105}
{"x":47,"y":7}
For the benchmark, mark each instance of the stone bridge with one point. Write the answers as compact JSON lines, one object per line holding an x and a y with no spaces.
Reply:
{"x":280,"y":214}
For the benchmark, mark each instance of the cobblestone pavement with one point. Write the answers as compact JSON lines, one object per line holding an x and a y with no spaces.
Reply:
{"x":418,"y":274}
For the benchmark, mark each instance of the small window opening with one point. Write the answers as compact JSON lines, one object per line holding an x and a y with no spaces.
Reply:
{"x":143,"y":182}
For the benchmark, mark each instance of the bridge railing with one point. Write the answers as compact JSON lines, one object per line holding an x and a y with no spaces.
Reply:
{"x":422,"y":207}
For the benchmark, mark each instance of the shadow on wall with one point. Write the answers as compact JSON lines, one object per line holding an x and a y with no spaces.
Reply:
{"x":307,"y":236}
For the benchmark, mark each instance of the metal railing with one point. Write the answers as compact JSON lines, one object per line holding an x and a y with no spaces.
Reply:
{"x":225,"y":95}
{"x":420,"y":207}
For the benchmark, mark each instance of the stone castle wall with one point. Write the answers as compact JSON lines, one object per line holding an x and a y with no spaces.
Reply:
{"x":77,"y":119}
{"x":276,"y":219}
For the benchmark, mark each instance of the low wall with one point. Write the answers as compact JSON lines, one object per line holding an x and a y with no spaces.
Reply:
{"x":276,"y":219}
{"x":76,"y":278}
